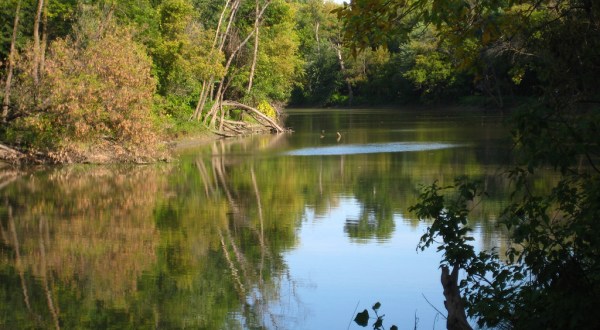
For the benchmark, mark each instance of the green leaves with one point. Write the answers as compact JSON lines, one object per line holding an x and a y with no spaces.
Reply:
{"x":449,"y":213}
{"x":362,"y":318}
{"x":376,"y":306}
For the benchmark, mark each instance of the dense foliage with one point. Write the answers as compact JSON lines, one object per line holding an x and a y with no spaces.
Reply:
{"x":550,"y":276}
{"x":201,"y":53}
{"x":76,"y":74}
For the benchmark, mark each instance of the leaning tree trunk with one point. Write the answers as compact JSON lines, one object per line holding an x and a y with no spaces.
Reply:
{"x":220,"y":91}
{"x":257,"y":114}
{"x":220,"y":38}
{"x":254,"y":58}
{"x":11,"y":64}
{"x":220,"y":22}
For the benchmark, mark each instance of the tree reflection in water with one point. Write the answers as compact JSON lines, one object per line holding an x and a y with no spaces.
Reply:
{"x":202,"y":242}
{"x":139,"y":247}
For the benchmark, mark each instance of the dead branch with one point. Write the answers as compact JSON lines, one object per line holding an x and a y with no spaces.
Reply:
{"x":11,"y":155}
{"x":256,"y":113}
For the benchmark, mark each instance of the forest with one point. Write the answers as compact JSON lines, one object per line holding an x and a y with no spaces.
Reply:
{"x":540,"y":59}
{"x":81,"y":79}
{"x":181,"y":67}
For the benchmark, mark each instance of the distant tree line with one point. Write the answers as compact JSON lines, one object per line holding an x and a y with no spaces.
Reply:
{"x":78,"y":73}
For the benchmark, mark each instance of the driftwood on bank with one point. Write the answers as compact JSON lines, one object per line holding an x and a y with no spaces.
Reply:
{"x":11,"y":155}
{"x":235,"y":128}
{"x":457,"y":319}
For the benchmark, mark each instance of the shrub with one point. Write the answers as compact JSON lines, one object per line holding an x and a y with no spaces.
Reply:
{"x":93,"y":87}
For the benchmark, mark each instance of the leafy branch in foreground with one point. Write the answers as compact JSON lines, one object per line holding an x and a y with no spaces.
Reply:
{"x":548,"y":277}
{"x":363,"y":318}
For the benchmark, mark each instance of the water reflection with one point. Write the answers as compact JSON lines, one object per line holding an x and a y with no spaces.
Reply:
{"x":242,"y":233}
{"x":371,"y":148}
{"x":74,"y":240}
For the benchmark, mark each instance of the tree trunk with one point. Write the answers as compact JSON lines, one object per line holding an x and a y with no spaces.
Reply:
{"x":234,"y":9}
{"x":11,"y":64}
{"x":36,"y":46}
{"x":254,"y":111}
{"x":213,"y":113}
{"x":201,"y":100}
{"x":207,"y":84}
{"x":457,"y":319}
{"x":317,"y":38}
{"x":253,"y":66}
{"x":44,"y":41}
{"x":220,"y":22}
{"x":338,"y":49}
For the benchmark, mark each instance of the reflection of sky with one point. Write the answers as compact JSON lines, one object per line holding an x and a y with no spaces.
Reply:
{"x":370,"y":148}
{"x":336,"y":274}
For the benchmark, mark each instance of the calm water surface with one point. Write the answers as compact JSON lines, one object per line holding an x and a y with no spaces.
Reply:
{"x":296,"y":231}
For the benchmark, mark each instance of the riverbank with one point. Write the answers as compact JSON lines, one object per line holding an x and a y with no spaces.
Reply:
{"x":104,"y":152}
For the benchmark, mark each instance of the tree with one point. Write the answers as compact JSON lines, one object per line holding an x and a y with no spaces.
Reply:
{"x":95,"y":88}
{"x":11,"y":64}
{"x":549,"y":278}
{"x":322,"y":80}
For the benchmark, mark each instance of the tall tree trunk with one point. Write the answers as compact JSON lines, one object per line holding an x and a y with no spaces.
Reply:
{"x":220,"y":22}
{"x":37,"y":54}
{"x":201,"y":100}
{"x":338,"y":49}
{"x":317,"y":38}
{"x":208,"y":84}
{"x":255,"y":56}
{"x":213,"y":113}
{"x":11,"y":64}
{"x":234,"y":8}
{"x":44,"y":44}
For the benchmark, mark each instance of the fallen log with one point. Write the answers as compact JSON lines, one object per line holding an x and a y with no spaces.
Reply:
{"x":10,"y":155}
{"x":256,"y":112}
{"x":236,"y":122}
{"x":232,"y":127}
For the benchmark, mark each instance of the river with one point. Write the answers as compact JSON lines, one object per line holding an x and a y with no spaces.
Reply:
{"x":293,"y":231}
